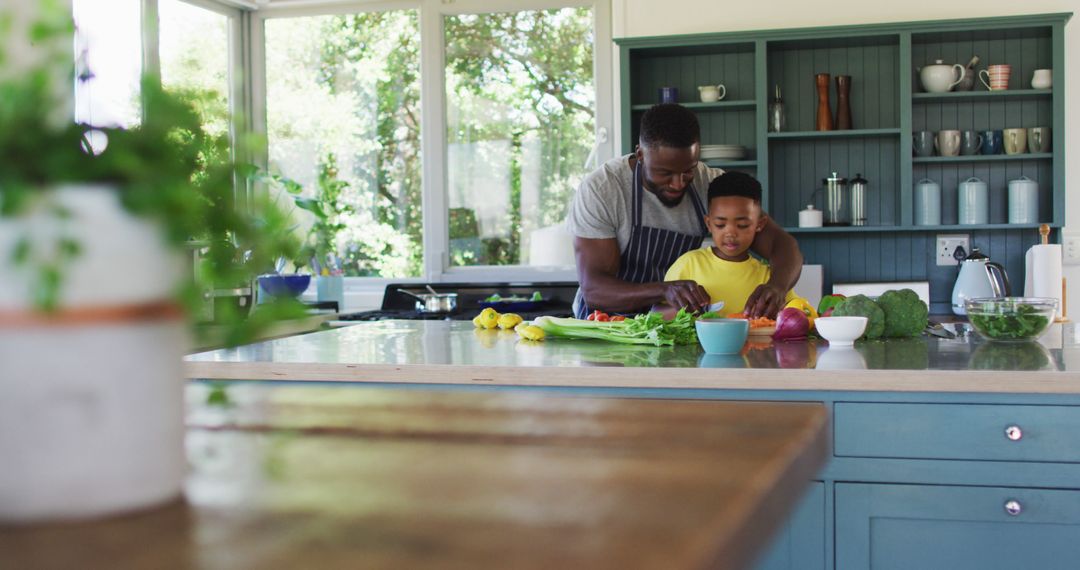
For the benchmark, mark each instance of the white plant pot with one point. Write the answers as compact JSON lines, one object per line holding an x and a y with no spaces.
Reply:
{"x":91,"y":412}
{"x":91,"y":421}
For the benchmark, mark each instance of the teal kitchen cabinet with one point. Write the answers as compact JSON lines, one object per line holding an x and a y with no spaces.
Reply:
{"x":888,"y":105}
{"x":901,"y":527}
{"x":801,"y":543}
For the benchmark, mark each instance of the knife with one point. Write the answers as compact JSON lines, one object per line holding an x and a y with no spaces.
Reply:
{"x":936,"y":329}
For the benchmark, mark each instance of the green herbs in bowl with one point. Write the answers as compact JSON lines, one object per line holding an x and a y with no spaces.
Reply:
{"x":1010,"y":318}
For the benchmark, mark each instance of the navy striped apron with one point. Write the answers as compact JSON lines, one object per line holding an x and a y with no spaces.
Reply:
{"x":651,"y":251}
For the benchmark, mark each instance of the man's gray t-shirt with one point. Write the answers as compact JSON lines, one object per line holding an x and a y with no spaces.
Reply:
{"x":601,"y":206}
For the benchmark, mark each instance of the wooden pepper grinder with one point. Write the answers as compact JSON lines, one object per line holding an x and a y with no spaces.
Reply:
{"x":843,"y":106}
{"x":824,"y":114}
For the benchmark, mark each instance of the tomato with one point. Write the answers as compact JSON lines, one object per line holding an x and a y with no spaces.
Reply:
{"x":598,"y":316}
{"x":617,"y":318}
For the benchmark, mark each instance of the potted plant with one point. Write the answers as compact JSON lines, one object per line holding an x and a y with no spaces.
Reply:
{"x":95,"y":295}
{"x":328,"y":209}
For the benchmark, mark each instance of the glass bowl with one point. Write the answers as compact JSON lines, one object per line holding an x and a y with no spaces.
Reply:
{"x":1011,"y":319}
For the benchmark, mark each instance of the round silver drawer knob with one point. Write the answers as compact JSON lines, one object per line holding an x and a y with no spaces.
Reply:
{"x":1013,"y":507}
{"x":1014,"y":433}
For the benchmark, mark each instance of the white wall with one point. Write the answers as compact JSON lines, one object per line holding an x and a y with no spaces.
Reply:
{"x":651,"y":18}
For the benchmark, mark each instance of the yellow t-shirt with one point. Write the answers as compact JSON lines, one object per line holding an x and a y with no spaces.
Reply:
{"x":727,"y":281}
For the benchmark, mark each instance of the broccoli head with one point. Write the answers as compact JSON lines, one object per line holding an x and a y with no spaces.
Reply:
{"x":905,"y":313}
{"x":863,"y":306}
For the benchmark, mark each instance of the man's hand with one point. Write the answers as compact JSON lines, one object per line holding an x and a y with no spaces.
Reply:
{"x":687,"y":294}
{"x":765,"y":301}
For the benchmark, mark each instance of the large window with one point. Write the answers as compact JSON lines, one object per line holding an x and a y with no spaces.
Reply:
{"x":520,"y":106}
{"x":109,"y":52}
{"x":194,"y":53}
{"x":473,"y":184}
{"x":343,"y":106}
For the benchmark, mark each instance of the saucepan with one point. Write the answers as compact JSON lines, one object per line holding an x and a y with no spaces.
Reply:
{"x":433,"y":302}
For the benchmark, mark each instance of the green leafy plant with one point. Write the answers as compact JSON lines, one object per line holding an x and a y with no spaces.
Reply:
{"x":167,"y":170}
{"x":326,"y":204}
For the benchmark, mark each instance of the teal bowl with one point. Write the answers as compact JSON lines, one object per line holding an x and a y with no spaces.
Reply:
{"x":722,"y":336}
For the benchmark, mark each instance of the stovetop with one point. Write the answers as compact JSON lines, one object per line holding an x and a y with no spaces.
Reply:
{"x":558,"y":300}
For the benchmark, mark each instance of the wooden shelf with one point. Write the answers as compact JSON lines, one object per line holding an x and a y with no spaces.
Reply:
{"x":717,"y":106}
{"x":729,"y":163}
{"x":983,"y":158}
{"x":844,"y":229}
{"x":911,"y":228}
{"x":853,"y":133}
{"x":1015,"y":94}
{"x":1004,"y":226}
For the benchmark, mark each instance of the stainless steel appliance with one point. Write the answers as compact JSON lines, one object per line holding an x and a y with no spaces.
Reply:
{"x":557,"y":298}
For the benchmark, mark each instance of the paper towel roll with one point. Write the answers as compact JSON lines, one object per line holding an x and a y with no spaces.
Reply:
{"x":1043,"y":272}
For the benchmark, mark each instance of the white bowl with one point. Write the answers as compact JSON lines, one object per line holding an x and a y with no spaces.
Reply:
{"x":840,"y":331}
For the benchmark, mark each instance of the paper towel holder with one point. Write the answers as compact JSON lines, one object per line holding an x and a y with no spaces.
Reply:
{"x":1044,"y":233}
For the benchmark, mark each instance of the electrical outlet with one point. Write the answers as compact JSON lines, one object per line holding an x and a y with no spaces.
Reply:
{"x":1070,"y":248}
{"x":946,"y":248}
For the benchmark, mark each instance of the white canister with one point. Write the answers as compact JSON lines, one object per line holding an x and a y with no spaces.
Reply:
{"x":927,"y":203}
{"x":973,"y":202}
{"x":810,"y":217}
{"x":1023,"y":201}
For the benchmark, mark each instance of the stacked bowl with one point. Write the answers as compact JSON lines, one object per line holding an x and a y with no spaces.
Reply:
{"x":723,"y":152}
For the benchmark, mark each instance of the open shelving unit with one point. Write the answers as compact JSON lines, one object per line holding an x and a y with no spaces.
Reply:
{"x":888,"y":105}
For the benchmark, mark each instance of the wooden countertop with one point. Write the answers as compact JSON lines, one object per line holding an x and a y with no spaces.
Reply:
{"x":336,"y":477}
{"x":451,"y":352}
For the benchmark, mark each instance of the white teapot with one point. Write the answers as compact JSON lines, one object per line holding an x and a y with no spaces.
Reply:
{"x":711,"y":93}
{"x":941,"y":77}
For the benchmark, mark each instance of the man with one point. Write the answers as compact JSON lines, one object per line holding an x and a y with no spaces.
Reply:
{"x":636,"y":214}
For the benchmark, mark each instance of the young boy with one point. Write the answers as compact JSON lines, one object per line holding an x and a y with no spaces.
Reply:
{"x":726,"y":270}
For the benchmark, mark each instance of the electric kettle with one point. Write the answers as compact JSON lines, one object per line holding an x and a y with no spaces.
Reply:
{"x":979,"y":278}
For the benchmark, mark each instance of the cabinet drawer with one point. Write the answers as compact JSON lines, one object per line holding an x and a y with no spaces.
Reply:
{"x":958,"y":431}
{"x":899,"y":527}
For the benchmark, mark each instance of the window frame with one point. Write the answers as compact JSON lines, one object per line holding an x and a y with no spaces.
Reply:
{"x":434,"y":148}
{"x":240,"y":95}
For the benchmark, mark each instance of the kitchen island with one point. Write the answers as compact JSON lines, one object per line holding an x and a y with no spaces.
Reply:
{"x":333,"y":477}
{"x":455,"y":352}
{"x":946,"y":453}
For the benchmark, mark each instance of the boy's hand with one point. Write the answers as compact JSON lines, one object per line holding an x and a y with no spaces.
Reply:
{"x":686,"y":293}
{"x":765,"y":301}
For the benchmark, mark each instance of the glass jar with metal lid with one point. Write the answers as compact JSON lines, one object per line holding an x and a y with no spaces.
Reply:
{"x":836,"y":200}
{"x":858,"y":200}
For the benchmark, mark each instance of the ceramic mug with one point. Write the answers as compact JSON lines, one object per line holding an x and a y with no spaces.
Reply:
{"x":1015,"y":141}
{"x":711,"y":93}
{"x":669,"y":95}
{"x":970,"y":143}
{"x":923,"y":143}
{"x":996,"y":77}
{"x":1042,"y":79}
{"x":1038,"y":139}
{"x":947,"y":143}
{"x":992,"y":141}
